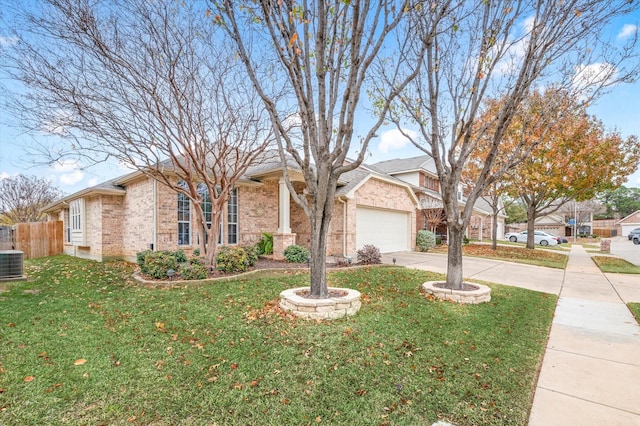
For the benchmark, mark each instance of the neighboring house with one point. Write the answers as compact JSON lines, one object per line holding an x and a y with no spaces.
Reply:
{"x":578,"y":216}
{"x":123,"y":216}
{"x":625,"y":225}
{"x":421,"y":173}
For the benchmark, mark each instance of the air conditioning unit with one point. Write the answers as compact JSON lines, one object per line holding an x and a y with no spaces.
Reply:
{"x":11,"y":264}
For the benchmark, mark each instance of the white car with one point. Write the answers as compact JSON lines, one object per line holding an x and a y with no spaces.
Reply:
{"x":539,"y":237}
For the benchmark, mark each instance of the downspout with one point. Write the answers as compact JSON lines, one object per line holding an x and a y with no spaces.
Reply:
{"x":344,"y":226}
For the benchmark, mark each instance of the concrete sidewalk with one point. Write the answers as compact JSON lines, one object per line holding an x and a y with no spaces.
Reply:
{"x":591,"y":369}
{"x":590,"y":373}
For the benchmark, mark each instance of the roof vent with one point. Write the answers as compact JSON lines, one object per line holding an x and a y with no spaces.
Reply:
{"x":11,"y":264}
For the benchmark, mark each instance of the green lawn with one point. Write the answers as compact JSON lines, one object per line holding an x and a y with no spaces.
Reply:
{"x":615,"y":264}
{"x":80,"y":343}
{"x":635,"y":310}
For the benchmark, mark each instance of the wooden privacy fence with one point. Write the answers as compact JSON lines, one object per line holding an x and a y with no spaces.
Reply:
{"x":605,"y":233}
{"x":39,"y":239}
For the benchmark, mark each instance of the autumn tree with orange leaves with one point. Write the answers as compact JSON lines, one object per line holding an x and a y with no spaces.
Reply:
{"x":572,"y":157}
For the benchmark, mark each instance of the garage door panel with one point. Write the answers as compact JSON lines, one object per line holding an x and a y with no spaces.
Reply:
{"x":386,"y":229}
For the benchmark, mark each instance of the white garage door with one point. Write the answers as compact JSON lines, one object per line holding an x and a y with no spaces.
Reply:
{"x":628,"y":228}
{"x":388,"y":230}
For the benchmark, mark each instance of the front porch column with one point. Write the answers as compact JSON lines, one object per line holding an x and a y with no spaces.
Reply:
{"x":283,"y":238}
{"x":284,"y":208}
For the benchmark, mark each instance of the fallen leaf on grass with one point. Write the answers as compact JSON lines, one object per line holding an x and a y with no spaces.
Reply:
{"x":80,"y":361}
{"x":29,"y":379}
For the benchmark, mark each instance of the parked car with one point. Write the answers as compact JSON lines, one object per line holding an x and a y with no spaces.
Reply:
{"x":633,"y":232}
{"x":539,"y":237}
{"x":636,"y":239}
{"x":561,"y":240}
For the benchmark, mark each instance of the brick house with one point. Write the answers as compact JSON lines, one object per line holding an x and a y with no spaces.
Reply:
{"x":420,"y":172}
{"x":120,"y":217}
{"x":629,"y":223}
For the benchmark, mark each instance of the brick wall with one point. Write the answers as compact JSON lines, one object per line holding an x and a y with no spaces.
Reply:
{"x":257,"y":211}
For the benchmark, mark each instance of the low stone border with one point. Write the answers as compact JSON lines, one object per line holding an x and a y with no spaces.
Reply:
{"x":474,"y":294}
{"x":329,"y":308}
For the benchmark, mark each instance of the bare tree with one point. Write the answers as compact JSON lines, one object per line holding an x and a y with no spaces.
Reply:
{"x":501,"y":49}
{"x":150,"y":84}
{"x":324,"y":52}
{"x":22,"y":198}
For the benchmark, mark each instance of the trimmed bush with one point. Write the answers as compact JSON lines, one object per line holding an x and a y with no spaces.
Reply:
{"x":179,"y":256}
{"x":232,"y":259}
{"x":265,"y":245}
{"x":369,"y":254}
{"x":465,"y":240}
{"x":157,"y":263}
{"x":193,"y":271}
{"x":140,"y":258}
{"x":252,"y":254}
{"x":296,"y":254}
{"x":425,"y":240}
{"x":438,"y":240}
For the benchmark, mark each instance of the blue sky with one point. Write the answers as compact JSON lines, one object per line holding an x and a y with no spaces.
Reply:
{"x":619,"y":110}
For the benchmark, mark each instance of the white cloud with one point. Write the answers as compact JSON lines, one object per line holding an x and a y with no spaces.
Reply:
{"x":92,"y":182}
{"x":393,"y":140}
{"x":4,"y":175}
{"x":71,"y":178}
{"x":598,"y":74}
{"x":627,"y":31}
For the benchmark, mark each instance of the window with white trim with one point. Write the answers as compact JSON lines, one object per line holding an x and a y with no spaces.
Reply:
{"x":75,"y":208}
{"x":184,"y":217}
{"x":67,"y":225}
{"x":232,"y":217}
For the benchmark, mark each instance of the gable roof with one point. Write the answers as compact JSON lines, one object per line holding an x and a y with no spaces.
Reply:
{"x":109,"y":187}
{"x":404,"y":165}
{"x":624,"y":219}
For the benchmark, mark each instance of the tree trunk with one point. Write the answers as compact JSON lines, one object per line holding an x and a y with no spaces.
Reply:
{"x":454,"y":256}
{"x":494,"y":228}
{"x":320,"y":222}
{"x":531,"y":224}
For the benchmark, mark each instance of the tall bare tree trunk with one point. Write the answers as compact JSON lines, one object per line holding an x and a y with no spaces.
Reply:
{"x":454,"y":257}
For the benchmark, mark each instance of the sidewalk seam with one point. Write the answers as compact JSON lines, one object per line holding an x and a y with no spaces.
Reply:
{"x":590,"y":401}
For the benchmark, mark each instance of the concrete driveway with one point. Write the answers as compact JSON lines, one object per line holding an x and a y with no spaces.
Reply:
{"x":547,"y":280}
{"x":538,"y":278}
{"x":622,"y":247}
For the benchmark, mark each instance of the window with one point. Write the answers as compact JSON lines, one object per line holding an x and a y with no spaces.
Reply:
{"x":430,"y":183}
{"x":232,"y":217}
{"x":76,"y":215}
{"x":67,"y":224}
{"x":184,"y":218}
{"x":207,"y":210}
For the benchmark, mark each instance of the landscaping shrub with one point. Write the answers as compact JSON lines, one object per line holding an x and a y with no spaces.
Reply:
{"x":157,"y":263}
{"x":465,"y":240}
{"x":252,"y":254}
{"x":196,"y":252}
{"x":425,"y":240}
{"x":369,"y":254}
{"x":179,"y":256}
{"x":231,"y":259}
{"x":193,"y":271}
{"x":140,"y":258}
{"x":438,"y":240}
{"x":265,"y":245}
{"x":296,"y":254}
